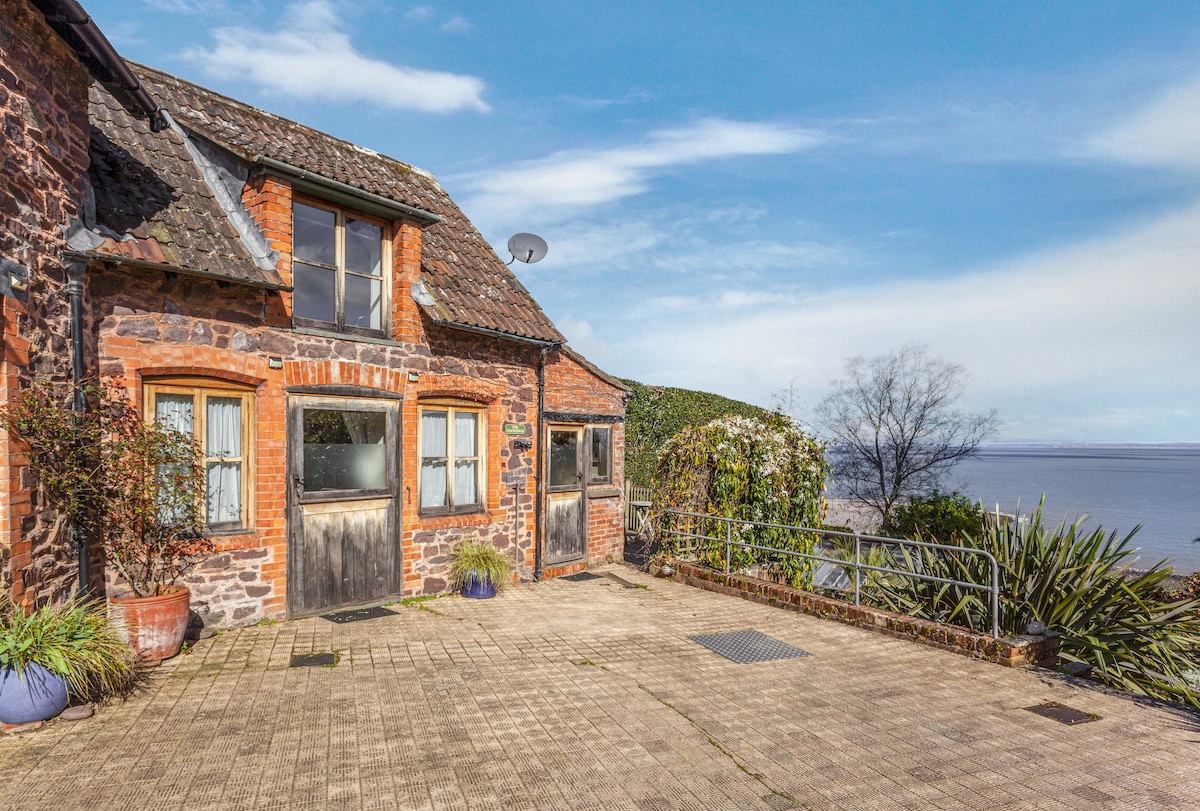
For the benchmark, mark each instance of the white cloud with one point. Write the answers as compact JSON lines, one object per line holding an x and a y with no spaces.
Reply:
{"x":419,"y":14}
{"x":309,"y":56}
{"x":583,"y":339}
{"x":577,"y":178}
{"x":455,"y":24}
{"x":1097,"y":326}
{"x":1164,"y":133}
{"x":187,"y":6}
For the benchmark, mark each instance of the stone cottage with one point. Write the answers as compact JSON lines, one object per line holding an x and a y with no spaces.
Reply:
{"x":370,"y":383}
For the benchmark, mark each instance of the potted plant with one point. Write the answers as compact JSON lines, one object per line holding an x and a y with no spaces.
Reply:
{"x":48,"y":652}
{"x":137,"y":486}
{"x":478,"y":569}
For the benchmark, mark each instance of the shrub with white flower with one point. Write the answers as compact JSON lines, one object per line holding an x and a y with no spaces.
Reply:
{"x":763,"y":470}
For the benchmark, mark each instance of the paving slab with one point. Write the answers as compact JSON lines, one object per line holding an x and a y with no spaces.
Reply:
{"x":591,"y":695}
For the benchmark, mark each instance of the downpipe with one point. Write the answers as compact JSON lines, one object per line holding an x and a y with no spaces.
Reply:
{"x":75,"y":273}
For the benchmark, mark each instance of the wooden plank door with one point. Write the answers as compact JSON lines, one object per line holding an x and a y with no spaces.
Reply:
{"x":566,"y":522}
{"x":344,"y":516}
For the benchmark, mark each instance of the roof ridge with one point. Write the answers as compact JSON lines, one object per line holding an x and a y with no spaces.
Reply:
{"x":236,"y":103}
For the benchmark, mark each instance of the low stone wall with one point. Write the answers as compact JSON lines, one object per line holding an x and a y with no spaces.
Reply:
{"x":1017,"y":651}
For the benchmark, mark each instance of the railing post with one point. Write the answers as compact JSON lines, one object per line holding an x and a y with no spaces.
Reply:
{"x":857,"y":570}
{"x":995,"y":600}
{"x":728,"y":543}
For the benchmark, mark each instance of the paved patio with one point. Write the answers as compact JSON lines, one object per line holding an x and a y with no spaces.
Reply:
{"x":590,"y":695}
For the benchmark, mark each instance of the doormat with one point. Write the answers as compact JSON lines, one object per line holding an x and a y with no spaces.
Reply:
{"x":1063,"y":714}
{"x":746,"y":647}
{"x":581,"y":577}
{"x":354,"y":615}
{"x":314,"y":660}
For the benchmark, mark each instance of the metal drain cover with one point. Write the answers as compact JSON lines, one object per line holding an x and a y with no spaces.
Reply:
{"x":356,"y":614}
{"x":314,"y":660}
{"x":581,"y":577}
{"x":745,"y":647}
{"x":1063,"y":714}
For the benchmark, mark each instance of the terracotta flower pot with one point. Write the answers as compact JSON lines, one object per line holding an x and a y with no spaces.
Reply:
{"x":153,"y":626}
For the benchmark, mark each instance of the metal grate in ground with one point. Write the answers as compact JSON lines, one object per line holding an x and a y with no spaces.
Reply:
{"x":314,"y":660}
{"x":746,"y":647}
{"x":1062,"y":713}
{"x":357,"y":614}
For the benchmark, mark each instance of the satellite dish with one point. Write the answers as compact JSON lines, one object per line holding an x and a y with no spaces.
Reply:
{"x":528,"y":248}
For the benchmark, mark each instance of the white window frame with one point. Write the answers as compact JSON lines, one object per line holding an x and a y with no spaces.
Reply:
{"x":450,"y":408}
{"x":200,"y":390}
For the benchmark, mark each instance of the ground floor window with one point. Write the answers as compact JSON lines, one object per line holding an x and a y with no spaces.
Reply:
{"x":452,"y":458}
{"x":220,"y":418}
{"x":600,"y":454}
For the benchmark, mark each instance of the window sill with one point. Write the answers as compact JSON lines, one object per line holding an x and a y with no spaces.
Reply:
{"x":603,"y":491}
{"x":345,"y":336}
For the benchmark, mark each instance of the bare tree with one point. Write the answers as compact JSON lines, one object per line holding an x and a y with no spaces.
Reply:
{"x":895,"y":433}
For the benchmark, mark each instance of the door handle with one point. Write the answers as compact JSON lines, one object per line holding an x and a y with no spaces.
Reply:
{"x":299,"y":482}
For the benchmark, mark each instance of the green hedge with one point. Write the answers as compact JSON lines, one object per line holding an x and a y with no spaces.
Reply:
{"x":654,"y":414}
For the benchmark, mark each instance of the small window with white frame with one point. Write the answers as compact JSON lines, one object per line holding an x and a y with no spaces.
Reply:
{"x":220,"y":417}
{"x":452,"y":458}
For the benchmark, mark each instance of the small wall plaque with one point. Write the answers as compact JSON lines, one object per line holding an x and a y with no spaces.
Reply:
{"x":515,"y":429}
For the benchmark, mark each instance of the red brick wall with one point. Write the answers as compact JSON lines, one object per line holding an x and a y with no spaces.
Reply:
{"x":43,"y":171}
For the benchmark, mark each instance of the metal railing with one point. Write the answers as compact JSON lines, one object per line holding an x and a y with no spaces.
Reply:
{"x":857,"y":564}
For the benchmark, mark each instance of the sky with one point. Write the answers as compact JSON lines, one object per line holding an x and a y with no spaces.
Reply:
{"x":739,"y":196}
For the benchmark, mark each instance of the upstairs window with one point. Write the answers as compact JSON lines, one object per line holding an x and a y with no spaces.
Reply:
{"x":338,"y":270}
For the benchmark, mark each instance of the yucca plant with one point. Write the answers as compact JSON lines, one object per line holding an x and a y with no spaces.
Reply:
{"x":1124,"y":623}
{"x":73,"y":639}
{"x":473,"y":558}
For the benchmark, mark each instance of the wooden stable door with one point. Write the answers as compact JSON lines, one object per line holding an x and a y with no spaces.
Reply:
{"x":566,"y":522}
{"x":344,"y":509}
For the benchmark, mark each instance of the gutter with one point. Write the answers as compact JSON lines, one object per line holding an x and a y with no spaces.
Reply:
{"x":332,"y":190}
{"x":80,"y":31}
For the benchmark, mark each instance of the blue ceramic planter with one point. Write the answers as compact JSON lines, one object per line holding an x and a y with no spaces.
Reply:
{"x":35,"y":695}
{"x":478,"y":588}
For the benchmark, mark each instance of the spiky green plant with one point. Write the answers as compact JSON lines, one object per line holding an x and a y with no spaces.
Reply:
{"x":1122,"y":622}
{"x":473,"y":557}
{"x":73,"y":639}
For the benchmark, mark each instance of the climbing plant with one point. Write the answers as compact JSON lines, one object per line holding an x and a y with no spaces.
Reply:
{"x":761,"y":469}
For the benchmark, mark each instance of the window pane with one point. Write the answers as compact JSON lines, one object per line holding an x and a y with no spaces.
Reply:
{"x":315,"y":293}
{"x":464,"y":483}
{"x":344,"y":450}
{"x":313,"y":234}
{"x":363,"y":251}
{"x":564,"y":458}
{"x":599,"y":453}
{"x":433,"y":434}
{"x":433,"y":484}
{"x":223,"y":496}
{"x":223,"y":426}
{"x":364,"y":302}
{"x":464,"y":433}
{"x":175,"y":412}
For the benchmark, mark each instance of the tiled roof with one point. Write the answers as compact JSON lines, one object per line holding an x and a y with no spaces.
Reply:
{"x":151,"y":196}
{"x":472,"y":286}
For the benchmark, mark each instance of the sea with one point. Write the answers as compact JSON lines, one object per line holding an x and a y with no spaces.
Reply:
{"x":1118,"y":487}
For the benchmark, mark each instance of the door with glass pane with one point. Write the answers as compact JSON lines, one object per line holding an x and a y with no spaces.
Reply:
{"x":565,"y":538}
{"x":344,"y":527}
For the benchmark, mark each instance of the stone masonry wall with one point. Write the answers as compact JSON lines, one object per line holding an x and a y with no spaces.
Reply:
{"x":43,"y":175}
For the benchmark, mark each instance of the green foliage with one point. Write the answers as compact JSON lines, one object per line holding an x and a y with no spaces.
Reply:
{"x":1124,"y":623}
{"x":763,"y":469}
{"x":654,"y":414}
{"x":73,"y":639}
{"x":475,"y":557}
{"x":138,"y":484}
{"x":939,"y":518}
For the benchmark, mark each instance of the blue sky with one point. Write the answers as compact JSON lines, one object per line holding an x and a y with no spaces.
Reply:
{"x":739,"y":196}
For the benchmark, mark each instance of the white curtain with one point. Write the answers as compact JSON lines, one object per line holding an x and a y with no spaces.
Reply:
{"x":464,"y":483}
{"x":174,"y":411}
{"x":433,"y":459}
{"x":464,"y":434}
{"x":223,"y":419}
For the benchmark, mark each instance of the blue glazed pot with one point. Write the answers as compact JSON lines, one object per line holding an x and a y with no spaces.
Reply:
{"x":478,"y":588}
{"x":35,"y":695}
